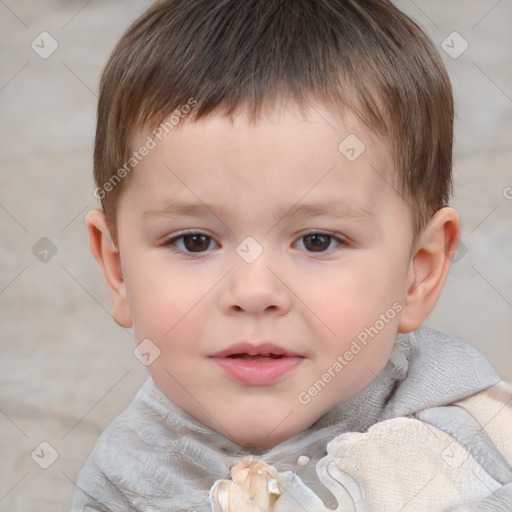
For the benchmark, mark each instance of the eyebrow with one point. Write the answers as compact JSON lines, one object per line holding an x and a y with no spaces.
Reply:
{"x":330,"y":209}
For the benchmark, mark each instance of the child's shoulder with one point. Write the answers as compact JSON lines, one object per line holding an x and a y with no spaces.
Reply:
{"x":489,"y":421}
{"x":433,"y":369}
{"x":460,"y":452}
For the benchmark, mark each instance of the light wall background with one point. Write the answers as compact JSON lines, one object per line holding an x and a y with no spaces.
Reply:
{"x":66,"y":369}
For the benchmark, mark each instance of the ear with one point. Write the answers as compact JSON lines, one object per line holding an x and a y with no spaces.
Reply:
{"x":109,"y":259}
{"x":429,"y":266}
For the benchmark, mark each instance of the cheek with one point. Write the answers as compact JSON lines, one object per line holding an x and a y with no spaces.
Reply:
{"x":359,"y":312}
{"x":356,"y":294}
{"x":162,"y":302}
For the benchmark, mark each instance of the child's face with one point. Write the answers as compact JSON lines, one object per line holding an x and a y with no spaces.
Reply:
{"x":267,"y":187}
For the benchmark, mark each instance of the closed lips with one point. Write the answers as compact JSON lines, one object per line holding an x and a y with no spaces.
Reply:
{"x":256,"y":357}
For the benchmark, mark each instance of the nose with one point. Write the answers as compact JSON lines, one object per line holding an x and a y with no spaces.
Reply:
{"x":255,"y":288}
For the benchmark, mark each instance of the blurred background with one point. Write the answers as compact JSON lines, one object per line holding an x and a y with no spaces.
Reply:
{"x":66,"y":369}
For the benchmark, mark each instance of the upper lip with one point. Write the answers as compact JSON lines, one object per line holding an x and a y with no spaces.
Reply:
{"x":260,"y":349}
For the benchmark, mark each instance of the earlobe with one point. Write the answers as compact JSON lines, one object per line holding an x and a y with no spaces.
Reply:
{"x":429,"y":267}
{"x":109,"y":259}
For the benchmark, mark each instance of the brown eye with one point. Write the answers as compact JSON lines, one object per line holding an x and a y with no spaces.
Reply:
{"x":196,"y":243}
{"x":317,"y":242}
{"x":190,"y":243}
{"x":320,"y":242}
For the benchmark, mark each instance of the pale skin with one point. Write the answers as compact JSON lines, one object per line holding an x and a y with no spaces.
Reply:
{"x":312,"y":296}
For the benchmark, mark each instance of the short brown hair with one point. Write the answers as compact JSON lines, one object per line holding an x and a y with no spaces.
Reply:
{"x":362,"y":55}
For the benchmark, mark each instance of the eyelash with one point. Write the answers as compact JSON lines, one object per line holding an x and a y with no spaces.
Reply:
{"x":171,"y":242}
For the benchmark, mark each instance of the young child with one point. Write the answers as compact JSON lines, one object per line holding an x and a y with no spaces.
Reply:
{"x":274,"y":178}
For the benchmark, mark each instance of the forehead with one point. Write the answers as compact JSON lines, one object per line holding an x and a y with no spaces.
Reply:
{"x":282,"y":156}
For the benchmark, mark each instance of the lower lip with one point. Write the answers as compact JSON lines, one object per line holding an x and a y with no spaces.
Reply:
{"x":257,"y":373}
